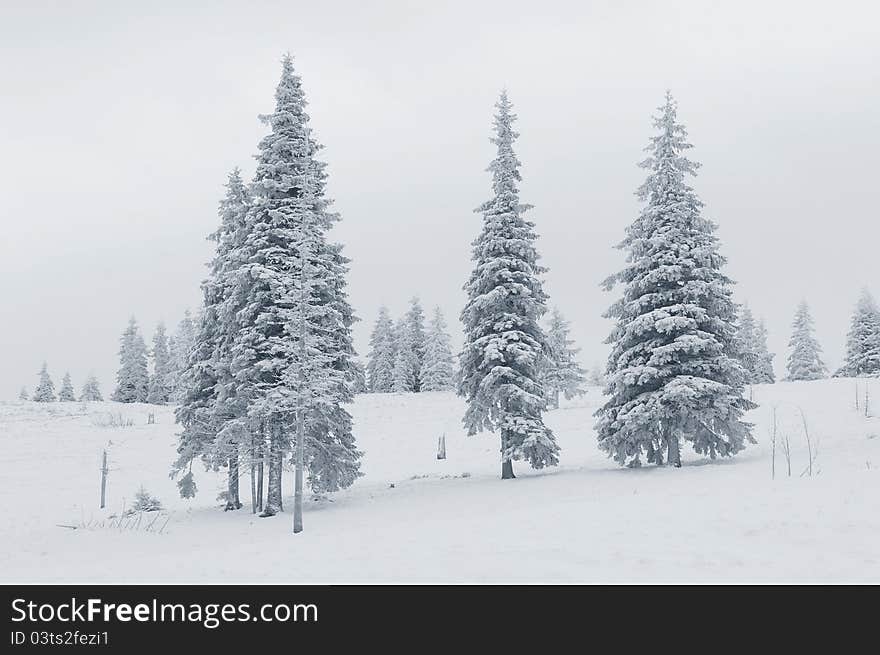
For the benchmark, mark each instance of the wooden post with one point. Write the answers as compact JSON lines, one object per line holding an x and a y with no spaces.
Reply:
{"x":103,"y":479}
{"x":441,"y":447}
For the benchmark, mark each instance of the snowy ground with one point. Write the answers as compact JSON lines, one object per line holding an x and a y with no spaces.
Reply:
{"x":455,"y":520}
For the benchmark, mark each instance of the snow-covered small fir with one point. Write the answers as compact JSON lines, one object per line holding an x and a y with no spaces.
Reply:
{"x":45,"y":391}
{"x":132,"y":378}
{"x":380,"y":360}
{"x":415,"y":324}
{"x":562,"y":374}
{"x":863,"y":340}
{"x":91,"y":390}
{"x":672,"y":372}
{"x":804,"y":360}
{"x":406,"y":359}
{"x":504,"y":343}
{"x":437,"y":372}
{"x":158,"y":391}
{"x":752,"y":350}
{"x":66,"y":393}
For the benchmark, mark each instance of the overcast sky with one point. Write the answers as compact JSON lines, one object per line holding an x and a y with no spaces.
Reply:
{"x":119,"y":122}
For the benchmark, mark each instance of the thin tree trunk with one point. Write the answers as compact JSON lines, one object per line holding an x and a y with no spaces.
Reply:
{"x":232,"y":486}
{"x":273,"y":490}
{"x":260,"y":486}
{"x":673,"y":455}
{"x":103,"y":479}
{"x":506,"y":464}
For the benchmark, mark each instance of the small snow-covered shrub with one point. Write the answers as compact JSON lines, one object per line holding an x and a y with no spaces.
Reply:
{"x":144,"y":502}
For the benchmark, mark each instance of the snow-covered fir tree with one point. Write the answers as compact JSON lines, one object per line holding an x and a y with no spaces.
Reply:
{"x":863,"y":340}
{"x":132,"y":378}
{"x":765,"y":373}
{"x":437,"y":371}
{"x":158,"y":392}
{"x":672,"y":373}
{"x":751,"y":348}
{"x":66,"y":393}
{"x":23,"y":394}
{"x":406,"y":359}
{"x":503,"y":340}
{"x":45,"y":391}
{"x":179,"y":348}
{"x":380,"y":360}
{"x":804,"y":361}
{"x":561,"y":372}
{"x":289,"y":281}
{"x":91,"y":391}
{"x":415,"y":323}
{"x":212,"y":411}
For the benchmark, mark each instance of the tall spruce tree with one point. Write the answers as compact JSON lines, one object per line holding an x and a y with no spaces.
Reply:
{"x":158,"y":392}
{"x":66,"y":393}
{"x":863,"y":340}
{"x":804,"y":361}
{"x":380,"y":360}
{"x":561,"y":372}
{"x":504,"y":343}
{"x":437,"y":372}
{"x":293,"y":281}
{"x":672,"y":372}
{"x":91,"y":391}
{"x":132,"y":379}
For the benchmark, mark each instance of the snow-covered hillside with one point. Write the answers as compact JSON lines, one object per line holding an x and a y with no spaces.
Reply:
{"x":412,"y":518}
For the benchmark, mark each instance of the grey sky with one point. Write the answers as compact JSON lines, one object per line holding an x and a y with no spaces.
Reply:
{"x":120,"y":122}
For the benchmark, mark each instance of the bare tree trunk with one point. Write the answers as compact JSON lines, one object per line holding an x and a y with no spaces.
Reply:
{"x":673,"y":454}
{"x":506,"y":464}
{"x":232,"y":486}
{"x":103,"y":479}
{"x":273,"y":490}
{"x":260,"y":486}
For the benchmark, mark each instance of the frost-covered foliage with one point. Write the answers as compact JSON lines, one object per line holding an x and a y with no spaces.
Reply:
{"x":359,"y":377}
{"x":91,"y":391}
{"x":437,"y":372}
{"x":132,"y":379}
{"x":406,"y":359}
{"x":863,"y":340}
{"x":274,"y":343}
{"x":45,"y":391}
{"x":561,"y":372}
{"x":23,"y":394}
{"x":158,"y":391}
{"x":804,"y":361}
{"x":380,"y":361}
{"x":672,"y":373}
{"x":751,"y":348}
{"x":66,"y":393}
{"x":504,"y":342}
